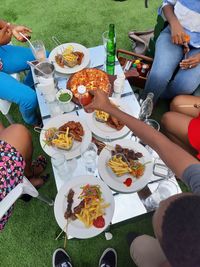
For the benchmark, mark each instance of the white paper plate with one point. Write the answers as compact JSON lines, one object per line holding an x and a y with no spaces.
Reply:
{"x":115,"y":182}
{"x":76,"y":228}
{"x":104,"y":131}
{"x":58,"y":121}
{"x":68,"y":70}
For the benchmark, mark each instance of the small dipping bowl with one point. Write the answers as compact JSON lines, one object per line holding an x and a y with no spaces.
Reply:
{"x":64,"y":97}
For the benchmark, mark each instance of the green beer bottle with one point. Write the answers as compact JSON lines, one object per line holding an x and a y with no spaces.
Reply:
{"x":110,"y":50}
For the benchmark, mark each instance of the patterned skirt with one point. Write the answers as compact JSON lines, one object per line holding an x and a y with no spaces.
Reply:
{"x":12,"y":167}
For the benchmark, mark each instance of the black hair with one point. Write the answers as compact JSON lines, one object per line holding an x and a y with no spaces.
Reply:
{"x":180,"y":238}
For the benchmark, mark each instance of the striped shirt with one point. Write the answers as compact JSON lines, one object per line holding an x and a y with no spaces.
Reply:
{"x":188,"y":14}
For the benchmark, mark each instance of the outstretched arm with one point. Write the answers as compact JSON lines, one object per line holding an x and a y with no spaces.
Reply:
{"x":174,"y":156}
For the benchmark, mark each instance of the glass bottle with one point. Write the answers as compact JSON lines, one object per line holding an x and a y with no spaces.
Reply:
{"x":84,"y":97}
{"x":146,"y":107}
{"x":110,"y":50}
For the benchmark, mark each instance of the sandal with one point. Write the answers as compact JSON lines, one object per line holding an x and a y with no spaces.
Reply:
{"x":40,"y":162}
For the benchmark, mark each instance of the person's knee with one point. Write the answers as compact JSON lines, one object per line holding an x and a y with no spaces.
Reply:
{"x":165,"y":120}
{"x":20,"y":131}
{"x":139,"y":248}
{"x":176,"y":102}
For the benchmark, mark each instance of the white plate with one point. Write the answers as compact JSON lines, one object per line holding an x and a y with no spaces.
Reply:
{"x":68,"y":70}
{"x":104,"y":131}
{"x":58,"y":121}
{"x":76,"y":228}
{"x":116,"y":182}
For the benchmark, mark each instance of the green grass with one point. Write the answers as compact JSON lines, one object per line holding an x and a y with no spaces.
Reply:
{"x":29,"y":237}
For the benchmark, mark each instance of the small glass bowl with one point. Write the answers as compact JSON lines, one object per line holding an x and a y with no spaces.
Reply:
{"x":62,"y":145}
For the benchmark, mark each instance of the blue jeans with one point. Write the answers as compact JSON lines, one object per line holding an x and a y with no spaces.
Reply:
{"x":14,"y":60}
{"x":166,"y":79}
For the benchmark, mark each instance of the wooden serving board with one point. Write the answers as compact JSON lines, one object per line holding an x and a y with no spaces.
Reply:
{"x":128,"y":74}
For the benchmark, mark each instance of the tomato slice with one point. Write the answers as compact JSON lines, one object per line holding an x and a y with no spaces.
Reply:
{"x":99,"y":222}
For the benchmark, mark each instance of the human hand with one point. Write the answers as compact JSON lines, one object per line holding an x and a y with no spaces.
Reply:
{"x":100,"y":101}
{"x":190,"y":62}
{"x":178,"y":34}
{"x":16,"y":29}
{"x":5,"y":35}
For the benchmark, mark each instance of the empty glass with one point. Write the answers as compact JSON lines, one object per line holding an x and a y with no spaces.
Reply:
{"x":38,"y":50}
{"x":164,"y":190}
{"x":64,"y":168}
{"x":89,"y":157}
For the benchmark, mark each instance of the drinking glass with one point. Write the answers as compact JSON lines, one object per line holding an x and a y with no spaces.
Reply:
{"x":64,"y":167}
{"x":38,"y":50}
{"x":164,"y":190}
{"x":53,"y":106}
{"x":89,"y":157}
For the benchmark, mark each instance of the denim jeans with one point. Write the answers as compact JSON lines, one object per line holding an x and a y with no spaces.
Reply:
{"x":166,"y":79}
{"x":14,"y":60}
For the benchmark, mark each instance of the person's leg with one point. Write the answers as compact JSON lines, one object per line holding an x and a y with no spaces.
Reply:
{"x":20,"y":138}
{"x":176,"y":128}
{"x":185,"y":81}
{"x":146,"y":252}
{"x":14,"y":91}
{"x":167,"y":58}
{"x":185,"y":100}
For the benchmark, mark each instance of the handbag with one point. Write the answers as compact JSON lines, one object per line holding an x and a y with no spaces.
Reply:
{"x":140,"y":40}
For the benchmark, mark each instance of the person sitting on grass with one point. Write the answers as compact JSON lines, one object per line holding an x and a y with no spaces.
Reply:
{"x":173,"y":72}
{"x":13,"y":59}
{"x":16,"y":151}
{"x":182,"y":123}
{"x":176,"y":222}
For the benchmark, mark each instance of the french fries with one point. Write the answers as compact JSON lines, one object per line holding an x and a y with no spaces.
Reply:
{"x":101,"y":115}
{"x":94,"y":205}
{"x":92,"y":211}
{"x":120,"y":167}
{"x":63,"y":140}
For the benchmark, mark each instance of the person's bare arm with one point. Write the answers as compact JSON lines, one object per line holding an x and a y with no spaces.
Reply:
{"x":177,"y":32}
{"x":2,"y":24}
{"x":174,"y":156}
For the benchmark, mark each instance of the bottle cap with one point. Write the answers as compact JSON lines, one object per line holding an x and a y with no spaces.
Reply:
{"x":134,"y":65}
{"x":81,"y":89}
{"x":137,"y":61}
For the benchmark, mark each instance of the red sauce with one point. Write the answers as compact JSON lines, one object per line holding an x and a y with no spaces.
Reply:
{"x":128,"y":182}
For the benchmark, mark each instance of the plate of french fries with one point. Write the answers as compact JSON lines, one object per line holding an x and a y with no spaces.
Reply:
{"x":102,"y":127}
{"x":122,"y":174}
{"x":56,"y":138}
{"x":82,"y":225}
{"x":66,"y":50}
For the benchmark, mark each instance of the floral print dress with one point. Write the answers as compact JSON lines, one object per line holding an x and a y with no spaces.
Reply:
{"x":12,"y":167}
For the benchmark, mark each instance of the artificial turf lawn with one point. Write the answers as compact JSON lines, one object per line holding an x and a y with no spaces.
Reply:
{"x":29,"y":237}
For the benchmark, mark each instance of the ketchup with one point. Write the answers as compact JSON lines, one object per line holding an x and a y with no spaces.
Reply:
{"x":128,"y":182}
{"x":84,"y":97}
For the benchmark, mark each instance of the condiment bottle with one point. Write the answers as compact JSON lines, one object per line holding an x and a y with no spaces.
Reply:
{"x":144,"y":70}
{"x":119,"y":85}
{"x":84,"y":97}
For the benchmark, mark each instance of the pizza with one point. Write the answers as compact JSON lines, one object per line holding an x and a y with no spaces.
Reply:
{"x":92,"y":79}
